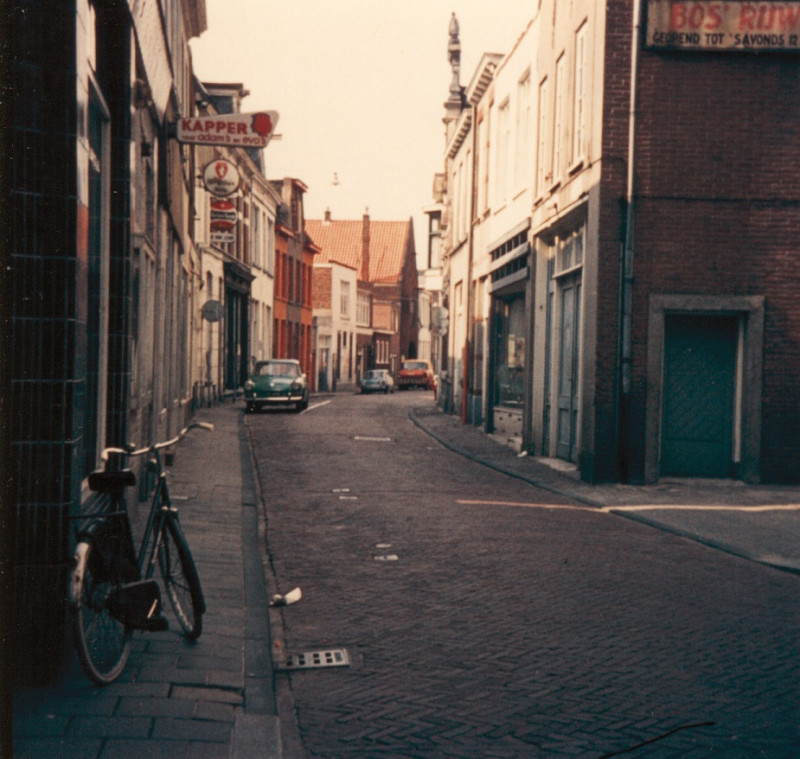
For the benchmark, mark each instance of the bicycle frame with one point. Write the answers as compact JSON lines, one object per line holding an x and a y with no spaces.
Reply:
{"x":160,"y":510}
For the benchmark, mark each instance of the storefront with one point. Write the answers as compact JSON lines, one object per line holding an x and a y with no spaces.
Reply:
{"x":509,"y":334}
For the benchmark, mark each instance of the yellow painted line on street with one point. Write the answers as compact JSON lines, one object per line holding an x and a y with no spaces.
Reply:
{"x":553,"y":506}
{"x":639,"y":507}
{"x":707,"y":507}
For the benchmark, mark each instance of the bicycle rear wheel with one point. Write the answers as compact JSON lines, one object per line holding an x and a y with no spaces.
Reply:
{"x":103,"y":643}
{"x":181,"y":580}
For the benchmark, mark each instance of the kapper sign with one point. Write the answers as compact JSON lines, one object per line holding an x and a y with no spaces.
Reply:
{"x":221,"y":178}
{"x":247,"y":130}
{"x":729,"y":25}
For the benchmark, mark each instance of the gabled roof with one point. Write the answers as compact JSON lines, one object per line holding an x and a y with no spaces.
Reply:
{"x":342,"y":242}
{"x":339,"y":241}
{"x":387,"y":249}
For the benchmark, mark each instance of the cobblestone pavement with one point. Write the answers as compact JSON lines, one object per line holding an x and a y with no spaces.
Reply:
{"x":209,"y":700}
{"x":758,"y":522}
{"x":487,"y":617}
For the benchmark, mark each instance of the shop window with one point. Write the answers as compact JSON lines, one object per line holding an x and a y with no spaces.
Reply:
{"x":509,"y":377}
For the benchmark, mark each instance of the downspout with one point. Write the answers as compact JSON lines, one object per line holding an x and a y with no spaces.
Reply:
{"x":467,"y":372}
{"x":626,"y":268}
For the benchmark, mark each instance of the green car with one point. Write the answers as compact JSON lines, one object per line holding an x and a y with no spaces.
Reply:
{"x":277,"y":382}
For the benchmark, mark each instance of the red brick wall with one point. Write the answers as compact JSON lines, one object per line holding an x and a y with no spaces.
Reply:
{"x":321,"y":287}
{"x":718,"y":190}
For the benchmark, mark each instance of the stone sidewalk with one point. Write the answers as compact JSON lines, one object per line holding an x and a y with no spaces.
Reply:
{"x":210,"y":700}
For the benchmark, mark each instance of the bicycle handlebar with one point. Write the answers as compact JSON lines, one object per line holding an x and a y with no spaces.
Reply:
{"x":133,"y":451}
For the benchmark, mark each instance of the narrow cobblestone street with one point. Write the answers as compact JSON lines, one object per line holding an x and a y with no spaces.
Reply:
{"x":485,"y":617}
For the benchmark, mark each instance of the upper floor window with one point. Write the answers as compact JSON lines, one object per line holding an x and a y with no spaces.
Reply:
{"x":522,"y":157}
{"x":363,"y":309}
{"x":559,"y":121}
{"x":581,"y":94}
{"x":503,"y":145}
{"x":543,"y":174}
{"x":344,"y":298}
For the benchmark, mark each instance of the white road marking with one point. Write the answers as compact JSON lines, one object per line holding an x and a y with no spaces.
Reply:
{"x":315,"y":405}
{"x":373,"y":439}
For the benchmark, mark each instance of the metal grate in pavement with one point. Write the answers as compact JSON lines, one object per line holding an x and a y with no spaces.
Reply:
{"x":331,"y":657}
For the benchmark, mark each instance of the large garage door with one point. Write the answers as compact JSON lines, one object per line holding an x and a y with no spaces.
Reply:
{"x":699,"y":385}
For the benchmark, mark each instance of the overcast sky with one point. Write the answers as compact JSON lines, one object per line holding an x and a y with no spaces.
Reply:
{"x":359,"y":86}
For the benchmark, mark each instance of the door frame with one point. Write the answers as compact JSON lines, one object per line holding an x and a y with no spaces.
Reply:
{"x":750,"y":311}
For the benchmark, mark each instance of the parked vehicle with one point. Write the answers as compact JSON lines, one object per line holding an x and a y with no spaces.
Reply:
{"x":415,"y":373}
{"x":377,"y":381}
{"x":277,"y":382}
{"x":112,"y":591}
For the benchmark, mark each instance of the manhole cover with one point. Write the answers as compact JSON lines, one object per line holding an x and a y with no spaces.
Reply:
{"x":331,"y":657}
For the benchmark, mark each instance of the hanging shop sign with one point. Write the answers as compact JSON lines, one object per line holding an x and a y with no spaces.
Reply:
{"x":728,"y":25}
{"x":212,"y":311}
{"x":248,"y":130}
{"x":223,"y":215}
{"x":221,"y":178}
{"x":223,"y":220}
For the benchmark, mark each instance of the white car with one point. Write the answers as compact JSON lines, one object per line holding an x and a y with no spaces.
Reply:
{"x":377,"y":381}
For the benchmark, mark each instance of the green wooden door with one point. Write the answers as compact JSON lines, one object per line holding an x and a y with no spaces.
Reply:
{"x":698,"y":399}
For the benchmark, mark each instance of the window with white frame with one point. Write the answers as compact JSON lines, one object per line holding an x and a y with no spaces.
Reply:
{"x":580,"y":94}
{"x":270,"y":262}
{"x":465,"y":187}
{"x":344,"y":298}
{"x":256,"y":238}
{"x":503,"y":143}
{"x":483,"y":162}
{"x":559,"y":114}
{"x":543,"y":174}
{"x":362,"y":309}
{"x":522,"y":157}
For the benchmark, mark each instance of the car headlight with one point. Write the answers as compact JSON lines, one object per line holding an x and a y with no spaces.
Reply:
{"x":249,"y":385}
{"x":297,"y":387}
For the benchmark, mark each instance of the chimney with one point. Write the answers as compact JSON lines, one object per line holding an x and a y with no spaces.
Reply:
{"x":327,"y":219}
{"x":365,"y":247}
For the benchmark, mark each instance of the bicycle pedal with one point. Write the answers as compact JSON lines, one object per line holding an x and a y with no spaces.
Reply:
{"x":156,"y":625}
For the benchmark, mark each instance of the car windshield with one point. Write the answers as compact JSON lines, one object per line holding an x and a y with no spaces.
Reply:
{"x":415,"y":365}
{"x":278,"y":368}
{"x":374,"y":374}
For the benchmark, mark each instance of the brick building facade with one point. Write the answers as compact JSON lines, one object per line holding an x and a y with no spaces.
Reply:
{"x":662,"y":316}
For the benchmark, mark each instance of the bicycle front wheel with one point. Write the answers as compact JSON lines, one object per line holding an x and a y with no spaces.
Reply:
{"x":103,"y":643}
{"x":181,"y":580}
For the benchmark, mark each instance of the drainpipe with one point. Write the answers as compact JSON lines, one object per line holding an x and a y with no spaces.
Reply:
{"x":466,"y":374}
{"x":626,"y":268}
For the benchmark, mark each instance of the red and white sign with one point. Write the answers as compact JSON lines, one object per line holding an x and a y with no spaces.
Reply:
{"x":248,"y":130}
{"x":221,"y":178}
{"x":723,"y":25}
{"x":223,"y":215}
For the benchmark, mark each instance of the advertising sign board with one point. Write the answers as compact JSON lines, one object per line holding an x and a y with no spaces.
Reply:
{"x":248,"y":130}
{"x":728,"y":25}
{"x":221,"y":178}
{"x":223,"y":215}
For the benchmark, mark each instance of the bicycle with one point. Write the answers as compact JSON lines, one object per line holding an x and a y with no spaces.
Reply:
{"x":112,"y":591}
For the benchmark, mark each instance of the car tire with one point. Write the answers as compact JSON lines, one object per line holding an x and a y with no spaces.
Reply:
{"x":251,"y":407}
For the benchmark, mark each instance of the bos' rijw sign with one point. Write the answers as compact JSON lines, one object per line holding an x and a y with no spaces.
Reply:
{"x":248,"y":130}
{"x":728,"y":25}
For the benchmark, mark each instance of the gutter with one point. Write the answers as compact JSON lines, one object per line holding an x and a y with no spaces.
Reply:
{"x":627,"y":252}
